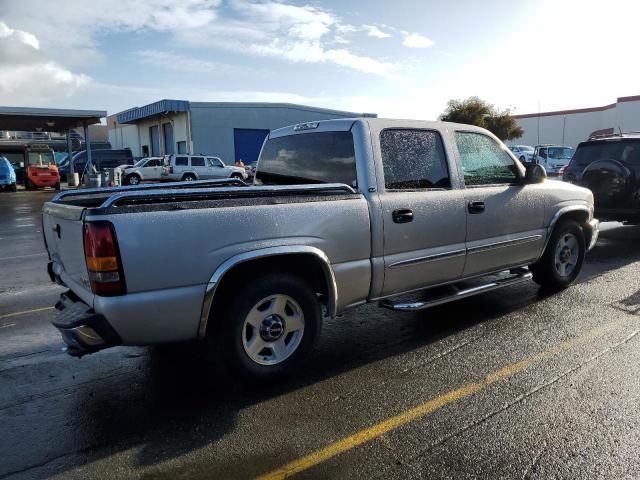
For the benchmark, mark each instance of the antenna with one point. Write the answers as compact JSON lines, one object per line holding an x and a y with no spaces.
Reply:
{"x":620,"y":130}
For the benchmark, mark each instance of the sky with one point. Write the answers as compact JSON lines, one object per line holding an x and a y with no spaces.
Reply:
{"x":402,"y":59}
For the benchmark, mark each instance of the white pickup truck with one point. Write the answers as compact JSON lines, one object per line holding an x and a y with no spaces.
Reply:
{"x":341,"y":213}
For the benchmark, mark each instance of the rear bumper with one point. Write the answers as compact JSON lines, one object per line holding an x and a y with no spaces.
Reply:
{"x":45,"y":181}
{"x":82,"y":330}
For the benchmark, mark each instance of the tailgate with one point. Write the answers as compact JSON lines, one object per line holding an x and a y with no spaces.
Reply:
{"x":63,"y":230}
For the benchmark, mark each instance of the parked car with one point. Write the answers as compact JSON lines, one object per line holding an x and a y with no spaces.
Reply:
{"x":251,"y":170}
{"x":522,"y":152}
{"x":7,"y":175}
{"x":343,"y":212}
{"x":146,"y":169}
{"x":199,"y":167}
{"x":610,"y":167}
{"x":552,"y":157}
{"x":101,"y":159}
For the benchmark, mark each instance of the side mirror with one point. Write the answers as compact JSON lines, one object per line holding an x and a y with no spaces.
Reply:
{"x":535,"y":173}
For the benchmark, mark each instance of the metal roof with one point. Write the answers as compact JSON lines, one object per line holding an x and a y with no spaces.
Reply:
{"x":138,"y":113}
{"x":47,"y":119}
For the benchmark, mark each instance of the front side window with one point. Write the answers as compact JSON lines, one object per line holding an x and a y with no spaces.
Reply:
{"x":214,"y":162}
{"x":413,"y":159}
{"x":484,"y":161}
{"x":153,"y":163}
{"x":317,"y":157}
{"x":197,"y":161}
{"x":182,"y":161}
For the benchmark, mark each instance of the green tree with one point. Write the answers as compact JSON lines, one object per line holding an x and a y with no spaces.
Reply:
{"x":474,"y":111}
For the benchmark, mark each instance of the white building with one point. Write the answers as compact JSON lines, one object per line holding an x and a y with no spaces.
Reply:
{"x":231,"y":131}
{"x":570,"y":127}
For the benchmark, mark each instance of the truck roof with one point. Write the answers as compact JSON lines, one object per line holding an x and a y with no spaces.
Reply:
{"x":345,"y":124}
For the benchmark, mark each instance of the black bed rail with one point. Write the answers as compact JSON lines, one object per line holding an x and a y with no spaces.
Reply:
{"x":151,"y":186}
{"x":122,"y":197}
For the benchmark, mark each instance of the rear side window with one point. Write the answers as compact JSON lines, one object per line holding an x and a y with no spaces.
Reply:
{"x":413,"y":159}
{"x":484,"y":161}
{"x":319,"y":157}
{"x":627,"y":151}
{"x":197,"y":161}
{"x":182,"y":161}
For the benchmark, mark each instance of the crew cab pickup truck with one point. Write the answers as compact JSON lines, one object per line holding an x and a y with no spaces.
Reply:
{"x":406,"y":214}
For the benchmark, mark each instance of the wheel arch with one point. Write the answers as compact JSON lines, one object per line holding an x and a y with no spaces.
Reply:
{"x":309,"y":262}
{"x":579,"y":213}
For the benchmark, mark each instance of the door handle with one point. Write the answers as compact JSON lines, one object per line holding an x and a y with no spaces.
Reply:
{"x":403,"y":215}
{"x":475,"y":206}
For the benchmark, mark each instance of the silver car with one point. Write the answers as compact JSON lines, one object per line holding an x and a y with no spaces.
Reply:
{"x":188,"y":168}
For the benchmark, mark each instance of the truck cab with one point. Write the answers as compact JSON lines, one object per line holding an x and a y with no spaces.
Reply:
{"x":552,"y":157}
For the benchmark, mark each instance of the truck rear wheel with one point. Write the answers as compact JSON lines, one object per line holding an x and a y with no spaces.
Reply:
{"x":269,"y":327}
{"x":562,"y":260}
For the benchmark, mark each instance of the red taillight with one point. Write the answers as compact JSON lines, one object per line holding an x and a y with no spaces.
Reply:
{"x":561,"y":171}
{"x":171,"y":169}
{"x":103,"y":259}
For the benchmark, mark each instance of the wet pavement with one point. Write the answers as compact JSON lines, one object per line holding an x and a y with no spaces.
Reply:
{"x":511,"y":384}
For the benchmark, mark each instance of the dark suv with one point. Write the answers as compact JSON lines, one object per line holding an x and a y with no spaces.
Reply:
{"x":610,"y":167}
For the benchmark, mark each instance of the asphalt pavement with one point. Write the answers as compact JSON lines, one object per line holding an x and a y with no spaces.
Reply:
{"x":511,"y":384}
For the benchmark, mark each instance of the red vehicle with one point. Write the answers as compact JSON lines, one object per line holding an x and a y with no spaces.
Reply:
{"x":40,"y":168}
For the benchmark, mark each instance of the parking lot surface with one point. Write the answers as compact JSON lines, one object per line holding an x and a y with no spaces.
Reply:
{"x":512,"y":384}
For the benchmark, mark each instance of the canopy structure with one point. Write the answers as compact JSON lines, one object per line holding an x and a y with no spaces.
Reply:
{"x":47,"y":119}
{"x":26,"y":119}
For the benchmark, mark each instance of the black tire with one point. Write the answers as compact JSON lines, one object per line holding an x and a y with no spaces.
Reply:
{"x":613,"y":183}
{"x":27,"y":184}
{"x":57,"y":186}
{"x":225,"y":339}
{"x":189,"y":177}
{"x":133,"y":179}
{"x":13,"y":187}
{"x":547,"y":271}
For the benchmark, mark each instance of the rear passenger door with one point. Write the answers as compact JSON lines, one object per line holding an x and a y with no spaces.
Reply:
{"x":504,"y":216}
{"x":424,"y":217}
{"x":199,"y":166}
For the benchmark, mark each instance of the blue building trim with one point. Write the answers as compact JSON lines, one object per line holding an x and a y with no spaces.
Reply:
{"x":138,"y":113}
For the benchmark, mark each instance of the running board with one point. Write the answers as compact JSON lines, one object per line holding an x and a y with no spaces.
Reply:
{"x":518,"y":276}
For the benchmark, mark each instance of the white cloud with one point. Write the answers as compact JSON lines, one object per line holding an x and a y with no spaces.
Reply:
{"x":415,"y":40}
{"x":374,"y":31}
{"x":23,"y":67}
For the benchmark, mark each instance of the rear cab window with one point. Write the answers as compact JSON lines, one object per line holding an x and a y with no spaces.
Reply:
{"x":626,"y":150}
{"x":413,"y":160}
{"x":317,"y":157}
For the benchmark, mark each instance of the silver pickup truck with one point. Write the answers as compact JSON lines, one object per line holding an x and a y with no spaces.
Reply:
{"x":407,"y":214}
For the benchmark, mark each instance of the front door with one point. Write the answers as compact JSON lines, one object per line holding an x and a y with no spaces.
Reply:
{"x":505,"y":218}
{"x":424,"y":216}
{"x":152,"y":169}
{"x":217,"y":168}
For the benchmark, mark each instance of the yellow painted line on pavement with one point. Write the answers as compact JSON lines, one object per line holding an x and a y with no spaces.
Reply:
{"x":24,"y":312}
{"x":392,"y":423}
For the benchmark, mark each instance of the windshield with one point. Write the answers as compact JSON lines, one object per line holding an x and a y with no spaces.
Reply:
{"x":560,"y":153}
{"x":44,"y":157}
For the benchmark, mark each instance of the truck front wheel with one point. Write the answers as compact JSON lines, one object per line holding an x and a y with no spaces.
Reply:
{"x":269,"y":327}
{"x":562,"y":260}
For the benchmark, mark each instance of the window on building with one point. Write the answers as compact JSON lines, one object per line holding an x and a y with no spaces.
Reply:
{"x":182,"y":161}
{"x":145,"y":150}
{"x":413,"y":159}
{"x":182,"y":147}
{"x":197,"y":161}
{"x":484,"y":162}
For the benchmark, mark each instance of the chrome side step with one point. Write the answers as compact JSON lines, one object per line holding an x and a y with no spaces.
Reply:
{"x":518,"y":276}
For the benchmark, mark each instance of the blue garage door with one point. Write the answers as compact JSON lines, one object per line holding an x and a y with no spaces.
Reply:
{"x":248,"y":143}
